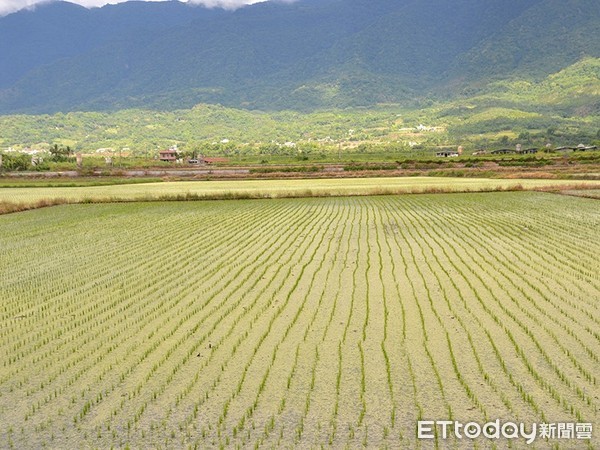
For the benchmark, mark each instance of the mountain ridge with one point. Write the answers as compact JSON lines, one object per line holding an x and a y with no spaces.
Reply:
{"x":304,"y":55}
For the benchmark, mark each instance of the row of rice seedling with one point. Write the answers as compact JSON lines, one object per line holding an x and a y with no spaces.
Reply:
{"x":299,"y":389}
{"x":93,"y":306}
{"x":447,"y":268}
{"x":244,"y":312}
{"x":223,"y":365}
{"x":278,"y":325}
{"x":243,"y":281}
{"x":225,"y":301}
{"x":546,"y":289}
{"x":454,"y":291}
{"x":544,"y":304}
{"x":434,"y":269}
{"x":546,"y":310}
{"x":310,"y":336}
{"x":387,"y":266}
{"x":558,"y":372}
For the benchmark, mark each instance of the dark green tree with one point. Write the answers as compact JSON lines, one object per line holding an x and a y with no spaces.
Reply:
{"x":60,"y":153}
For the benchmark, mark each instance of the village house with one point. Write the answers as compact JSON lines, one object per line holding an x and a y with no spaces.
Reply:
{"x":446,"y":153}
{"x":583,"y":148}
{"x":503,"y":151}
{"x":168,"y":155}
{"x":527,"y":151}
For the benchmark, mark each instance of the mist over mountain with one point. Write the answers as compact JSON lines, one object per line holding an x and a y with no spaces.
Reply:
{"x":304,"y":55}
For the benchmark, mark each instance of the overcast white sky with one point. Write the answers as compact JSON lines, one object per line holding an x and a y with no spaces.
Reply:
{"x":8,"y":6}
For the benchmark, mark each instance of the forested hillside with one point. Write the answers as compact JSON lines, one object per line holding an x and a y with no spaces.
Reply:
{"x":561,"y":109}
{"x":305,"y":55}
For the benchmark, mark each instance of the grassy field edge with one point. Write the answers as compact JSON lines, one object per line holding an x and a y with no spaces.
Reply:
{"x":7,"y":207}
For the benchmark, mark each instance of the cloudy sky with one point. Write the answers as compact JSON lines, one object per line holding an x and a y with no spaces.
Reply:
{"x":8,"y":6}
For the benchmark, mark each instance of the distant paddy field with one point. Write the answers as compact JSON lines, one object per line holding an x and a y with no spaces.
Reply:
{"x":298,"y":322}
{"x":589,"y":193}
{"x":277,"y":188}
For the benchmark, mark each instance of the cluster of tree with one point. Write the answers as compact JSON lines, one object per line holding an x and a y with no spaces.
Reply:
{"x":59,"y":153}
{"x":18,"y":161}
{"x":15,"y":162}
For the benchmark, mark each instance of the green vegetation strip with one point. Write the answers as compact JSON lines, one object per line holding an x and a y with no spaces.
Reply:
{"x":334,"y":322}
{"x":71,"y":182}
{"x":242,"y":189}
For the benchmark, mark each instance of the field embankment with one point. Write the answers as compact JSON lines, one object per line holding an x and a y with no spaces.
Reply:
{"x":22,"y":198}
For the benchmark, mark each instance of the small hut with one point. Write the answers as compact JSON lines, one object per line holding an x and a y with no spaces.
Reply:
{"x":213,"y":160}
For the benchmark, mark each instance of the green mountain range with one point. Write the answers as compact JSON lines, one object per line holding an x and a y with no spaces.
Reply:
{"x":306,"y":55}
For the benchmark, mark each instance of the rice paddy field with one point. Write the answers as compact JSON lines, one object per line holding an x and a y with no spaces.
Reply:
{"x":590,"y":193}
{"x":298,"y":323}
{"x":278,"y":188}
